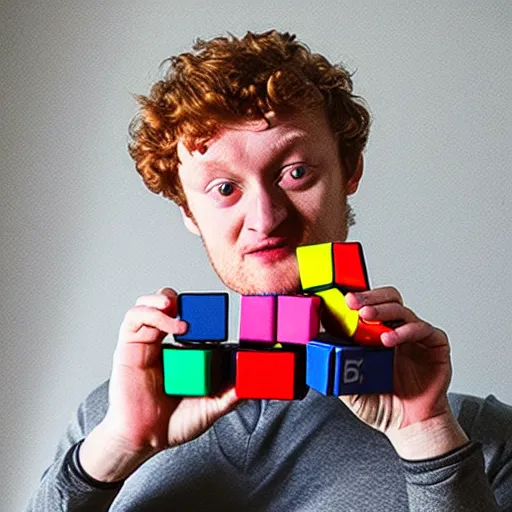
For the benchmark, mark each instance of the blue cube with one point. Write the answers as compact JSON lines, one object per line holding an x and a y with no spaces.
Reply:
{"x":362,"y":370}
{"x":345,"y":369}
{"x":206,"y":315}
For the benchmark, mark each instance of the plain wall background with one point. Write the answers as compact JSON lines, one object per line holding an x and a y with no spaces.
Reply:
{"x":81,"y":237}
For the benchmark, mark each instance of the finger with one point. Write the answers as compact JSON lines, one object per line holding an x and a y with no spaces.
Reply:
{"x":141,"y":333}
{"x":169,"y":292}
{"x":390,"y":311}
{"x":371,"y":297}
{"x":221,"y":404}
{"x":142,"y":316}
{"x":207,"y":410}
{"x":164,"y":299}
{"x":411,"y":332}
{"x":377,"y":413}
{"x":227,"y":401}
{"x":158,"y":301}
{"x":173,"y":297}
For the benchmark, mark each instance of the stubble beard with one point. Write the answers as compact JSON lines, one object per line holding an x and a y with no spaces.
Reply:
{"x":248,"y":280}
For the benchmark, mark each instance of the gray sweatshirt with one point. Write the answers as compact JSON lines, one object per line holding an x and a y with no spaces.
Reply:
{"x":310,"y":455}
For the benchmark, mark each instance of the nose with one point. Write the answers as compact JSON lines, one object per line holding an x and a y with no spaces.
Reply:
{"x":266,"y":211}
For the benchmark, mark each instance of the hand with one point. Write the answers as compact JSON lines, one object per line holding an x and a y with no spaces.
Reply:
{"x":141,"y":420}
{"x":416,"y":417}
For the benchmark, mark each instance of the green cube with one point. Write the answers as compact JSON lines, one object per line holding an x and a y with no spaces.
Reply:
{"x":191,"y":371}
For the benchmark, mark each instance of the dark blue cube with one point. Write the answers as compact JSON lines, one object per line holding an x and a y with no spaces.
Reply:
{"x":334,"y":367}
{"x":362,"y":370}
{"x":206,"y":315}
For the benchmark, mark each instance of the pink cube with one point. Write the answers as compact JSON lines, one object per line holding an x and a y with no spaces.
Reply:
{"x":258,"y":318}
{"x":298,"y":318}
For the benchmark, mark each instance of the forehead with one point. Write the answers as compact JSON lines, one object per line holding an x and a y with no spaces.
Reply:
{"x":258,"y":138}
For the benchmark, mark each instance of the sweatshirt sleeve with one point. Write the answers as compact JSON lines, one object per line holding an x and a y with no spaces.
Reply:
{"x":475,"y":477}
{"x":456,"y":481}
{"x":61,"y":489}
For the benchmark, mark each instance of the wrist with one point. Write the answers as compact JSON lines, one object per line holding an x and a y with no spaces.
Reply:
{"x":430,"y":438}
{"x":105,"y":458}
{"x":76,"y":468}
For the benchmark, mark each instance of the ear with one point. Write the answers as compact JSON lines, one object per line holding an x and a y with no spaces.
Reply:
{"x":189,"y":222}
{"x":353,"y":182}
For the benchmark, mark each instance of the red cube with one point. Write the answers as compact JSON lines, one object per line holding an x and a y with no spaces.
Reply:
{"x":273,"y":374}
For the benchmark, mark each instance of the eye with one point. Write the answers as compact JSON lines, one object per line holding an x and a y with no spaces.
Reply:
{"x":298,"y":172}
{"x":297,"y":177}
{"x":225,"y":189}
{"x":224,"y":193}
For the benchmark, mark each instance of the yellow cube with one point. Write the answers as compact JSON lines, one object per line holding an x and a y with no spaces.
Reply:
{"x":334,"y":302}
{"x":315,"y":265}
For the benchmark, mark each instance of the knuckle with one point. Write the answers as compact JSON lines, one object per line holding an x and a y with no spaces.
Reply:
{"x":427,"y":330}
{"x":396,"y":295}
{"x":409,"y":313}
{"x":141,"y":300}
{"x":168,"y":292}
{"x":362,"y":297}
{"x":391,"y":294}
{"x":134,"y":311}
{"x":442,"y":333}
{"x":376,"y":311}
{"x":128,"y":317}
{"x":136,"y":316}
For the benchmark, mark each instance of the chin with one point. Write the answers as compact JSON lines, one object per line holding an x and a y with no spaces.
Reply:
{"x":280,"y":277}
{"x":259,"y":285}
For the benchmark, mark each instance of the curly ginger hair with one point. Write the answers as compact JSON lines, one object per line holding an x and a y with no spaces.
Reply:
{"x":230,"y":80}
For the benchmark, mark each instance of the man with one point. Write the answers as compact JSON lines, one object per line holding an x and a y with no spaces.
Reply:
{"x":260,"y":142}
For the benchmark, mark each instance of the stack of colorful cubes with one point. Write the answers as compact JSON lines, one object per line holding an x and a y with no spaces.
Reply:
{"x":281,"y":352}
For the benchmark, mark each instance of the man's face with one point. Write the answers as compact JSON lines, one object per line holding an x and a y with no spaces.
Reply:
{"x":258,"y":192}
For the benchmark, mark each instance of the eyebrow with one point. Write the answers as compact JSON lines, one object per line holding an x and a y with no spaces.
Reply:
{"x":280,"y":146}
{"x":288,"y":140}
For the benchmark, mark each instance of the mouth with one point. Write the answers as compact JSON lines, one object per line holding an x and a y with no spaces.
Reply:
{"x":268,"y":244}
{"x":271,"y":249}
